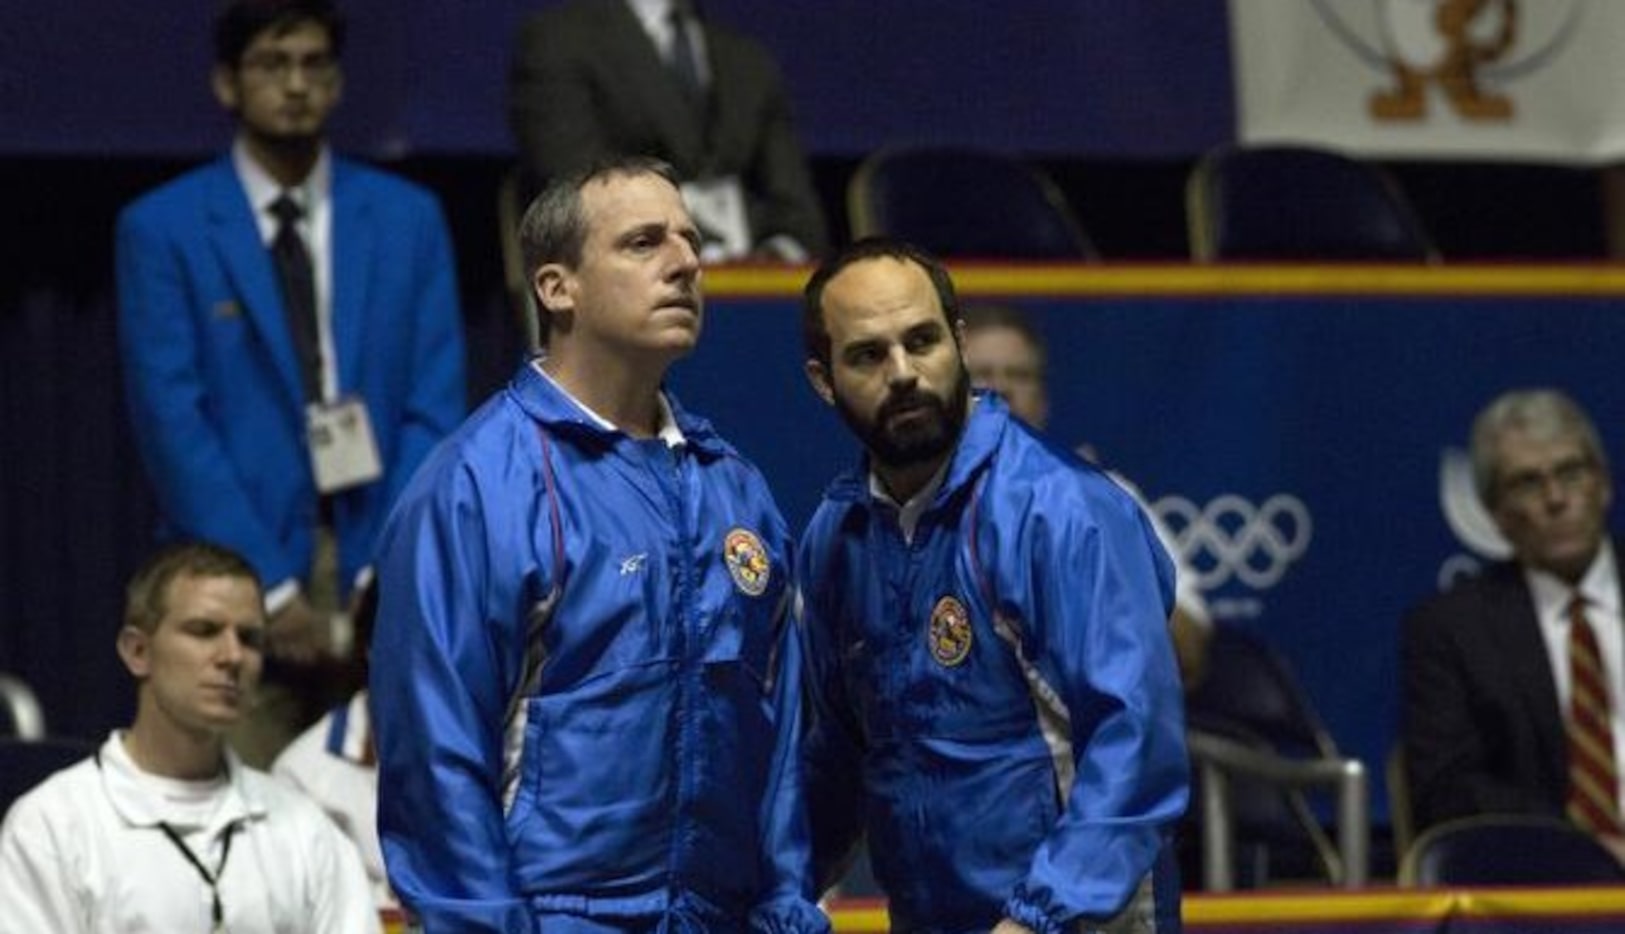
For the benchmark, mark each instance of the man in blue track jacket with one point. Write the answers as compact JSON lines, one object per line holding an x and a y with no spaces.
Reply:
{"x":995,"y":699}
{"x":584,"y":686}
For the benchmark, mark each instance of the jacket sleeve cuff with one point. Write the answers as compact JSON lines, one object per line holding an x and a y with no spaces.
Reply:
{"x":789,"y":916}
{"x":1030,"y":915}
{"x":508,"y":916}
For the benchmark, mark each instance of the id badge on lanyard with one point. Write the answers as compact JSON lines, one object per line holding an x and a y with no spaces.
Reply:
{"x":343,"y":453}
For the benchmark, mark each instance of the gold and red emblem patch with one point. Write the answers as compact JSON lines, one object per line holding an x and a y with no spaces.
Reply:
{"x":747,"y":561}
{"x":949,"y":634}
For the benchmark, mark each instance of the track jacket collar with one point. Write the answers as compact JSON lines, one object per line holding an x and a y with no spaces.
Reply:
{"x":984,"y":428}
{"x":544,"y":401}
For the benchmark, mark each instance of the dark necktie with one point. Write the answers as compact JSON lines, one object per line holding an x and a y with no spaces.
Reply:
{"x":685,"y":58}
{"x":1593,"y":796}
{"x":298,"y":281}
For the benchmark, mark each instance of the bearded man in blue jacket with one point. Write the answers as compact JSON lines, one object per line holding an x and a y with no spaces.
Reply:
{"x":586,"y":706}
{"x":994,"y":693}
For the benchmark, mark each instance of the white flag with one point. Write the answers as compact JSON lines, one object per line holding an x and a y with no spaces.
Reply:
{"x":1536,"y":80}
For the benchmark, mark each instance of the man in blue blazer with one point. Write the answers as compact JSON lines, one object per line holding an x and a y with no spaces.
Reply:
{"x":291,"y":339}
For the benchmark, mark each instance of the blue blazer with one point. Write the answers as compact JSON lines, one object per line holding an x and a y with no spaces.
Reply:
{"x":211,"y":376}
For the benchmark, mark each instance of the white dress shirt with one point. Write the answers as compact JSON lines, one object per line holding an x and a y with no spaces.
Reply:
{"x":84,"y":853}
{"x":655,"y":17}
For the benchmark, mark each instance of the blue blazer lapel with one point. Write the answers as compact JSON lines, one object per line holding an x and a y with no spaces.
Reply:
{"x":354,"y":238}
{"x":236,"y":240}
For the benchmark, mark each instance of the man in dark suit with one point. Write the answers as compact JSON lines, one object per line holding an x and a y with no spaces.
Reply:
{"x":1489,"y":691}
{"x":592,"y":78}
{"x":291,"y":341}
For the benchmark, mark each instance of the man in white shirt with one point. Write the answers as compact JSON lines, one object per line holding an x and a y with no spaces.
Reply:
{"x":1512,"y":679}
{"x":164,"y":829}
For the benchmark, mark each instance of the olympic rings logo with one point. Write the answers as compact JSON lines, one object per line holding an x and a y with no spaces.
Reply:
{"x":1229,"y":537}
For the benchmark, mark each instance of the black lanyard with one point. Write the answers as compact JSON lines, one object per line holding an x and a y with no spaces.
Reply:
{"x":211,"y":878}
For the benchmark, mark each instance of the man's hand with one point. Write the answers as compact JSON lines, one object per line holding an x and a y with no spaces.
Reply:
{"x":1007,"y":926}
{"x":297,"y":633}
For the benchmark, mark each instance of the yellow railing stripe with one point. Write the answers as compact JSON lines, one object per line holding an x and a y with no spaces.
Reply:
{"x":1042,"y":280}
{"x":1325,"y":906}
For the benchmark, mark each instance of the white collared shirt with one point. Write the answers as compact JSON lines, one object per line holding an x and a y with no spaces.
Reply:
{"x":667,"y":431}
{"x":655,"y":18}
{"x":1600,"y":588}
{"x":83,"y":853}
{"x":909,"y":513}
{"x":315,"y":195}
{"x":332,"y":768}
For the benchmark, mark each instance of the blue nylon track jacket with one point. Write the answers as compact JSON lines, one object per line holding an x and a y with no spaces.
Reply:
{"x":584,"y":680}
{"x":995,"y":703}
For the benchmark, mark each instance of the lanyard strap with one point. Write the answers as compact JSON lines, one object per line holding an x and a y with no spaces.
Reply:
{"x":211,"y":878}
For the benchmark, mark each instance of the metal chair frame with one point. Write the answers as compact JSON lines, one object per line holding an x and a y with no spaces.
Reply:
{"x":22,"y":708}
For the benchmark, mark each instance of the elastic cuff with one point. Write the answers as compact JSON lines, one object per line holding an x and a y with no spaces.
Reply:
{"x":789,"y":916}
{"x":1031,"y":916}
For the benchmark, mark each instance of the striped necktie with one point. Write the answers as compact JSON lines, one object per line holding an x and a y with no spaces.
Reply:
{"x":1593,"y":798}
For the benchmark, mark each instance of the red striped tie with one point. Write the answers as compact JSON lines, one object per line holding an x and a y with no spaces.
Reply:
{"x":1593,"y":800}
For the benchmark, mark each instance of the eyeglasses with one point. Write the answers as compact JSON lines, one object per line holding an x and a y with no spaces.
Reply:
{"x":1530,"y":485}
{"x":317,"y":67}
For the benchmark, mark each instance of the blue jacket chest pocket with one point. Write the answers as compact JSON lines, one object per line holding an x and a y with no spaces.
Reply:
{"x":946,"y":674}
{"x":746,"y":631}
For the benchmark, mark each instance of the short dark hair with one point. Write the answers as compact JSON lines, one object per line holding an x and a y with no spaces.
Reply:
{"x":815,"y":331}
{"x":146,"y":599}
{"x":242,"y":21}
{"x":554,"y":229}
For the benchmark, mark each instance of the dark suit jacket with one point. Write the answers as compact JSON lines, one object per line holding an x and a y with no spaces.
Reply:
{"x":213,"y":385}
{"x":587,"y":82}
{"x":1482,"y":729}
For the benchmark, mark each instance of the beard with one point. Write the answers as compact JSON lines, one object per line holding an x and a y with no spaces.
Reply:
{"x":929,"y":430}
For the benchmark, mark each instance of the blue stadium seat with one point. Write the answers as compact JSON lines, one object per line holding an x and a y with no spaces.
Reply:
{"x":1296,"y":203}
{"x":971,"y":203}
{"x":1259,"y":750}
{"x":1508,"y":849}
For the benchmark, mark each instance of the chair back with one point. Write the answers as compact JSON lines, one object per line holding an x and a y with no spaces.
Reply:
{"x":1508,"y":849}
{"x":961,"y":202}
{"x":1252,"y":697}
{"x":1400,"y":820}
{"x":1252,"y":693}
{"x":511,"y":207}
{"x":1299,"y":203}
